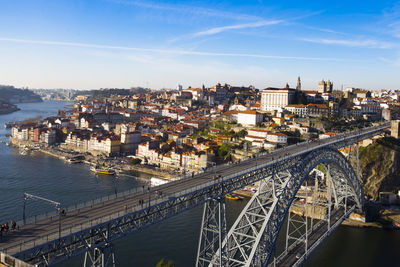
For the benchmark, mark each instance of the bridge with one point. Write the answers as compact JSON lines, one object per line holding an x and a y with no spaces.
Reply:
{"x":288,"y":181}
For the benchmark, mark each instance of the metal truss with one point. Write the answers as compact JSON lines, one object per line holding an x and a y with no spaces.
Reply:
{"x":251,"y":240}
{"x":212,"y":232}
{"x":283,"y":178}
{"x":97,"y":236}
{"x":100,"y":257}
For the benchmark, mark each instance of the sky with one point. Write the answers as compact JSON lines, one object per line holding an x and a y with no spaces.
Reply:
{"x":96,"y":44}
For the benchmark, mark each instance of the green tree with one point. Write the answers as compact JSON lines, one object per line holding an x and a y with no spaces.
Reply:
{"x":162,"y":263}
{"x":224,"y":151}
{"x":136,"y":161}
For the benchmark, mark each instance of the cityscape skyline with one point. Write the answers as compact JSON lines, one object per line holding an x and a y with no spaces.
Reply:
{"x":100,"y":44}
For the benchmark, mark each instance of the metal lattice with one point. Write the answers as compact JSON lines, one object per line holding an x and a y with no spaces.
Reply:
{"x":252,"y":238}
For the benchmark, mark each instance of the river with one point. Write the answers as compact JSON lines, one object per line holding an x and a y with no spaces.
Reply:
{"x":174,"y":239}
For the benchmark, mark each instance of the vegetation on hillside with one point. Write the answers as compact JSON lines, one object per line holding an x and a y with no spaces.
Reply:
{"x":10,"y":94}
{"x":380,"y":167}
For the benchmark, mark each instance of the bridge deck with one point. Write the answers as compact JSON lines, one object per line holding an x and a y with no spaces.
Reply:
{"x":294,"y":254}
{"x":40,"y":232}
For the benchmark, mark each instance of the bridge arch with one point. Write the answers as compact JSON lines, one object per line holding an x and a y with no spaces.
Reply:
{"x":252,"y":239}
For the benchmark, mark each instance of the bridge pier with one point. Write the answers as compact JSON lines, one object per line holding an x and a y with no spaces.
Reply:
{"x":213,"y":230}
{"x":100,"y":257}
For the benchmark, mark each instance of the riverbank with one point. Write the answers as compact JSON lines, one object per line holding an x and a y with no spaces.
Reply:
{"x":8,"y":108}
{"x":119,"y":164}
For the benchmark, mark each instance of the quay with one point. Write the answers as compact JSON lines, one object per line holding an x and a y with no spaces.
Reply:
{"x":91,"y":160}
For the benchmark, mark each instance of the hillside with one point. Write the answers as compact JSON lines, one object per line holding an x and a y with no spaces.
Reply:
{"x":380,"y":167}
{"x":10,"y":94}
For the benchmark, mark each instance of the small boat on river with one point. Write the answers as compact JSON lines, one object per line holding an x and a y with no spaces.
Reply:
{"x":105,"y":171}
{"x":233,"y":197}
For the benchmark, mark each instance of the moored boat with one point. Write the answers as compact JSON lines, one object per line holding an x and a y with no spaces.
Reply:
{"x":233,"y":197}
{"x":73,"y":160}
{"x":154,"y":181}
{"x":105,"y":171}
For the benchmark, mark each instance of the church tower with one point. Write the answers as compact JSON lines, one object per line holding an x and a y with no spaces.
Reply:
{"x":329,"y":86}
{"x":298,"y":87}
{"x":322,"y":87}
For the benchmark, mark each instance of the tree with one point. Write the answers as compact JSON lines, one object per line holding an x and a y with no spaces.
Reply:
{"x":242,"y":133}
{"x":162,"y":263}
{"x":224,"y":151}
{"x":136,"y":161}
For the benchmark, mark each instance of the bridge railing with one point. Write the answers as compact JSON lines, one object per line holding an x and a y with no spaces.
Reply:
{"x":321,"y":143}
{"x":70,"y":229}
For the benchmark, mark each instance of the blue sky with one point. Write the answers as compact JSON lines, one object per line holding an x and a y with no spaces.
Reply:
{"x":124,"y":43}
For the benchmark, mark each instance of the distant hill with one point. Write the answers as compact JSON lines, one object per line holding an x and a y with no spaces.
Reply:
{"x":108,"y":92}
{"x":10,"y":94}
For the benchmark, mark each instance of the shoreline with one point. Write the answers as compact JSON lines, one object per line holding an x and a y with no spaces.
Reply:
{"x":91,"y":160}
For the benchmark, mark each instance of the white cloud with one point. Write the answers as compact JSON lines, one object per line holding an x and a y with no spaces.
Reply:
{"x":352,"y":43}
{"x":187,"y":10}
{"x":169,"y":51}
{"x":237,"y":26}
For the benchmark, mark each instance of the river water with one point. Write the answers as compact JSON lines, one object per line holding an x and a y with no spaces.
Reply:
{"x":174,"y":239}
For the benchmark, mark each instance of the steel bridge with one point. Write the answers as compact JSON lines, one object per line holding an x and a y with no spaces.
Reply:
{"x":288,"y":182}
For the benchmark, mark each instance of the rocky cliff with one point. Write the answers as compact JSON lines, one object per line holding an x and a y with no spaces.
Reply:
{"x":380,"y":167}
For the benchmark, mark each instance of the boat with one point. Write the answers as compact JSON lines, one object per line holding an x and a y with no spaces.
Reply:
{"x":73,"y":160}
{"x":105,"y":171}
{"x":154,"y":181}
{"x":233,"y":197}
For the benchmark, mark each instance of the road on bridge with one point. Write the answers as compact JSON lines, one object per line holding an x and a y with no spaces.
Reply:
{"x":31,"y":235}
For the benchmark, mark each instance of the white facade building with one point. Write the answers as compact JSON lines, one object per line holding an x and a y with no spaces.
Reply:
{"x":279,"y":138}
{"x":249,"y":117}
{"x":275,"y":98}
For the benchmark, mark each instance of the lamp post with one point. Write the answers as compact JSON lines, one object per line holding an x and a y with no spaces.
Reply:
{"x":214,"y":166}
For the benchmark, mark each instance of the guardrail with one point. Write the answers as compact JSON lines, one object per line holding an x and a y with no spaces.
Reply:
{"x":321,"y":143}
{"x":71,"y":229}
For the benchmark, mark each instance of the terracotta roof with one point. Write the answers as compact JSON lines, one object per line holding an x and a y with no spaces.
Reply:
{"x":247,"y":112}
{"x":255,"y":137}
{"x":280,"y":134}
{"x":296,"y":106}
{"x":259,"y":130}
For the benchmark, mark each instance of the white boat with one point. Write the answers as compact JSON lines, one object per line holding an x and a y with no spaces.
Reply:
{"x":73,"y":160}
{"x":154,"y":181}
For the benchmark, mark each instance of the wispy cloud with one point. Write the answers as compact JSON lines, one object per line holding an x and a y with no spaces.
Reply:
{"x":237,"y":26}
{"x":368,"y":43}
{"x":390,"y":21}
{"x":170,"y":51}
{"x":394,"y":62}
{"x":187,"y":10}
{"x":324,"y":30}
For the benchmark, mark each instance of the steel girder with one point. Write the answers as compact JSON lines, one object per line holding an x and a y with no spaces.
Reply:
{"x":212,"y":232}
{"x":252,"y":238}
{"x":118,"y":226}
{"x":99,"y":235}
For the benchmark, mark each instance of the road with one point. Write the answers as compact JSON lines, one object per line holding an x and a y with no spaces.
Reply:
{"x":48,"y":229}
{"x":297,"y":251}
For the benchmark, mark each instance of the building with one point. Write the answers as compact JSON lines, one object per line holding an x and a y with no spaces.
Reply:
{"x":298,"y":86}
{"x":395,"y":130}
{"x":325,"y":87}
{"x":276,"y":98}
{"x":249,"y":117}
{"x":298,"y":109}
{"x":279,"y":138}
{"x":258,"y":133}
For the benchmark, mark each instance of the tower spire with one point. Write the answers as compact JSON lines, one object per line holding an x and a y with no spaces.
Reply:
{"x":298,"y":87}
